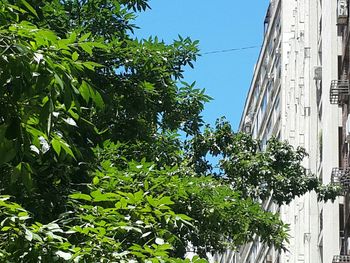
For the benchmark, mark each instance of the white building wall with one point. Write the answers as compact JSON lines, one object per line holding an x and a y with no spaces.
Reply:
{"x":302,"y":213}
{"x":330,"y":121}
{"x":308,"y":28}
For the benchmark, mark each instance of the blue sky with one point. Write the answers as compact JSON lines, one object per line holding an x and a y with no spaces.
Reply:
{"x":219,"y":25}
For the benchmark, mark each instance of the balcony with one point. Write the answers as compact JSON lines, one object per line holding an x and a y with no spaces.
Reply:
{"x":341,"y":176}
{"x":339,"y":91}
{"x":341,"y":259}
{"x":342,"y":12}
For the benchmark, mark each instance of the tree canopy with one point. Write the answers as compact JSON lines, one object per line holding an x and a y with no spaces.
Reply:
{"x":92,"y":165}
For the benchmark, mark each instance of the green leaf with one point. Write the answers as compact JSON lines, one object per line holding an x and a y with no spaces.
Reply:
{"x":99,"y":45}
{"x":49,"y":119}
{"x":159,"y":241}
{"x":73,"y":37}
{"x":165,"y":201}
{"x":28,"y":235}
{"x":96,"y":180}
{"x":100,"y":132}
{"x":59,"y":144}
{"x":146,"y":185}
{"x":56,"y":146}
{"x":66,"y":148}
{"x":17,"y":8}
{"x":63,"y":44}
{"x":183,"y":217}
{"x":87,"y":47}
{"x":101,"y":197}
{"x":70,"y":122}
{"x":97,"y":98}
{"x":138,"y":196}
{"x":23,"y":215}
{"x":27,"y":176}
{"x":148,"y":87}
{"x":68,"y":99}
{"x":59,"y":81}
{"x":44,"y":35}
{"x":84,"y":37}
{"x":75,"y":56}
{"x":30,"y":8}
{"x":16,"y":173}
{"x":6,"y":228}
{"x":152,"y":201}
{"x":46,"y":113}
{"x":80,"y":196}
{"x":164,"y":247}
{"x":84,"y":90}
{"x":91,"y":65}
{"x":64,"y":255}
{"x":73,"y":114}
{"x":87,"y":92}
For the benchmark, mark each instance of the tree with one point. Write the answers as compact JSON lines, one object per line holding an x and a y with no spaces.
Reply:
{"x":89,"y":145}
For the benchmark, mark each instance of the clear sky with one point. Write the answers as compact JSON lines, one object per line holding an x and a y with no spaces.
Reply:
{"x":218,"y":25}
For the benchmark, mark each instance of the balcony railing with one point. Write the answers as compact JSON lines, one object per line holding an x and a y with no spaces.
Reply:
{"x":339,"y":91}
{"x":342,"y":12}
{"x":341,"y":259}
{"x":341,"y":176}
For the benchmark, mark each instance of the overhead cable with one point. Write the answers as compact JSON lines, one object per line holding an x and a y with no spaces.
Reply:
{"x":230,"y":50}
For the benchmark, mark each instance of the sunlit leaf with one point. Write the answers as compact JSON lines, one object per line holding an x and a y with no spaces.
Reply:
{"x":29,"y":7}
{"x":81,"y":196}
{"x":75,"y":56}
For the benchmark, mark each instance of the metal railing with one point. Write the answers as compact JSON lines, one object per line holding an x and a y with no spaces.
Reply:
{"x":339,"y":91}
{"x":341,"y":259}
{"x":342,"y":12}
{"x":341,"y":176}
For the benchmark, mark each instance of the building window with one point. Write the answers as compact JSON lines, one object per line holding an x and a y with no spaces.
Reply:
{"x":269,"y":128}
{"x":256,"y":126}
{"x":263,"y":104}
{"x":256,"y":93}
{"x":276,"y":108}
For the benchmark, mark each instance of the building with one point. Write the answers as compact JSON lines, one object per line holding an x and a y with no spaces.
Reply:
{"x":294,"y":82}
{"x":339,"y":95}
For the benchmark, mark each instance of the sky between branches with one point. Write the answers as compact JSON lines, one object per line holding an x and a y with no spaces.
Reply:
{"x":219,"y":25}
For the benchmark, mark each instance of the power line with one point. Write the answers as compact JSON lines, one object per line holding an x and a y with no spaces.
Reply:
{"x":229,"y":50}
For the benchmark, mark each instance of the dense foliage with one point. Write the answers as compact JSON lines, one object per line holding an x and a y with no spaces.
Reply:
{"x":89,"y":145}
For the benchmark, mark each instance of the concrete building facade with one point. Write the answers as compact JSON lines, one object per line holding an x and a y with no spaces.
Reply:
{"x":339,"y":95}
{"x":290,"y":97}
